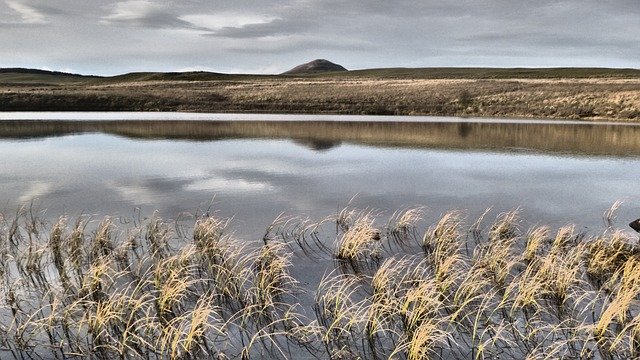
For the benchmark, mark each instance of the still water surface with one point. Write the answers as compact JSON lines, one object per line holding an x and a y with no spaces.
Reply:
{"x":253,"y":170}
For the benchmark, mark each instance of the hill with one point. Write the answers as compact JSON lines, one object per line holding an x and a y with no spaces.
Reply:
{"x":179,"y":76}
{"x":35,"y":72}
{"x":314,"y":67}
{"x":18,"y":76}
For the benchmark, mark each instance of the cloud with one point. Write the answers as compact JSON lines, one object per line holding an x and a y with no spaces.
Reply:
{"x":220,"y":184}
{"x":28,"y":14}
{"x":146,"y":14}
{"x":160,"y":35}
{"x":225,"y":19}
{"x":36,"y":189}
{"x":275,"y":27}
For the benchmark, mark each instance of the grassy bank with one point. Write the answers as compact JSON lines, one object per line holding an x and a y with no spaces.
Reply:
{"x":393,"y":287}
{"x":610,"y":94}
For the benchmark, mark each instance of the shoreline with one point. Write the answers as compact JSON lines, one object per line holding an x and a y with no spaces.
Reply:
{"x":28,"y":115}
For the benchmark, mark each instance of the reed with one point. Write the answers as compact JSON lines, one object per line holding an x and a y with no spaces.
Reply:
{"x":360,"y":244}
{"x":101,"y":289}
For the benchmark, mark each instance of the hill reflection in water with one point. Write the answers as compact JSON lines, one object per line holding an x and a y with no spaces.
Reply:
{"x":582,"y":138}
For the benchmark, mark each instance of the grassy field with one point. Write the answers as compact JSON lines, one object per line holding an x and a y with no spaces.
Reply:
{"x":393,"y":287}
{"x":565,"y":93}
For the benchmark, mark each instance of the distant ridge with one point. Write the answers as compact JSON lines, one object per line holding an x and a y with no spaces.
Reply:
{"x":314,"y":67}
{"x":36,"y":72}
{"x":31,"y":77}
{"x":320,"y":67}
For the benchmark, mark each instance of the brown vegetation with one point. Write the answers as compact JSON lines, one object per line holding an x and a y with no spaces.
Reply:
{"x":568,"y":98}
{"x":188,"y":289}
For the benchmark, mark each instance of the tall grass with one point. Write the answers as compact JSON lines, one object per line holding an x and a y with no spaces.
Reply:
{"x":102,"y":289}
{"x":537,"y":93}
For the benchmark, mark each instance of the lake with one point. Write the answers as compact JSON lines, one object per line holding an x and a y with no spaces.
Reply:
{"x":255,"y":167}
{"x":313,"y":294}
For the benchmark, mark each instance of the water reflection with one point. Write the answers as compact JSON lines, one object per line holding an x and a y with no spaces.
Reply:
{"x":256,"y":170}
{"x":571,"y":137}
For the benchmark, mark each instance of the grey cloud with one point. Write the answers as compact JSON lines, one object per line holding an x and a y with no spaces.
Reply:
{"x":23,"y":13}
{"x":152,"y":20}
{"x":145,"y":14}
{"x":48,"y":10}
{"x":276,"y":27}
{"x":138,"y":35}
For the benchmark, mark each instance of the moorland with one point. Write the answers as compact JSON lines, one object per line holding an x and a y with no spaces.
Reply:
{"x":563,"y":93}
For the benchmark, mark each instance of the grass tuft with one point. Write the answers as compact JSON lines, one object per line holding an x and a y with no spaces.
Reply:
{"x":130,"y":290}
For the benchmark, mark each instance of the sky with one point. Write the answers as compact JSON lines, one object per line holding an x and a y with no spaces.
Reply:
{"x":264,"y":37}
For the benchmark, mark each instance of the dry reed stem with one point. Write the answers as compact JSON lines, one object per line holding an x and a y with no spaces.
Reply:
{"x":95,"y":290}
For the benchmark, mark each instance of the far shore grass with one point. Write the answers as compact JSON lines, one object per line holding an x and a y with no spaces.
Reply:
{"x":590,"y":94}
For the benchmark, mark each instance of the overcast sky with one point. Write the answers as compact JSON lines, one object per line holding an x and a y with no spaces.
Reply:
{"x":257,"y":36}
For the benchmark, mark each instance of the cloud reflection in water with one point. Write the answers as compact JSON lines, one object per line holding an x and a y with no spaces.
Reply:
{"x":254,"y":180}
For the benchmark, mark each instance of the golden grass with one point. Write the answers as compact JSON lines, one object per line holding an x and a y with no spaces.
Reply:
{"x":100,"y":289}
{"x":612,"y":98}
{"x":360,"y":240}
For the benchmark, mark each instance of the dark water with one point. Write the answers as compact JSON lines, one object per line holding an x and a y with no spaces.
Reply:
{"x":557,"y":173}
